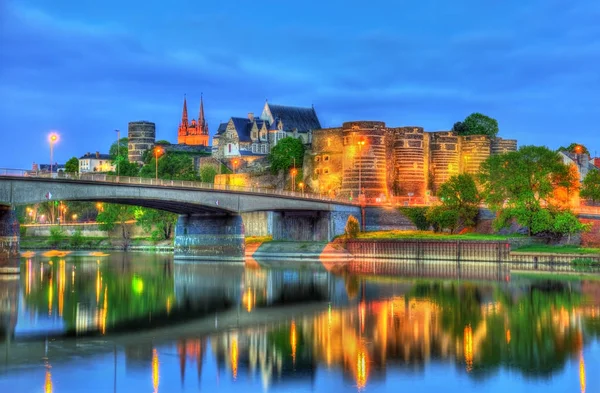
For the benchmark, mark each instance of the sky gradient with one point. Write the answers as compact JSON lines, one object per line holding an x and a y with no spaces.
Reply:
{"x":86,"y":68}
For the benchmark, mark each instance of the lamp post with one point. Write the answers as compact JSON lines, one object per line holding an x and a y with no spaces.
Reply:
{"x":235,"y":163}
{"x":301,"y":185}
{"x":360,"y":143}
{"x":157,"y":151}
{"x":118,"y":143}
{"x":294,"y":171}
{"x":53,"y":139}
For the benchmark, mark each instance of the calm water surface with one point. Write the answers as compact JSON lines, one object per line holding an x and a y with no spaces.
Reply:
{"x":140,"y":323}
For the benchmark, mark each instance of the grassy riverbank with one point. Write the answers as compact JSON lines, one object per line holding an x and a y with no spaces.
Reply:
{"x":547,"y":248}
{"x":428,"y":235}
{"x":89,"y":243}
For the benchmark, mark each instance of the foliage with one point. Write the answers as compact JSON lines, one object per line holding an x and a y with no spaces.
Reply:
{"x":158,"y":223}
{"x":72,"y":165}
{"x":171,"y":166}
{"x":521,"y":185}
{"x":352,"y":227}
{"x":477,"y":124}
{"x":283,"y":154}
{"x":207,"y":174}
{"x":57,"y":235}
{"x":400,"y":234}
{"x":162,"y":142}
{"x":123,"y":149}
{"x":418,"y":216}
{"x":113,"y":216}
{"x":575,"y":148}
{"x":590,"y":188}
{"x":77,"y":239}
{"x":460,"y":204}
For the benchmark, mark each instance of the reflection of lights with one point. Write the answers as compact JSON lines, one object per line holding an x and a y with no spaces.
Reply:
{"x":582,"y":372}
{"x":50,"y":296}
{"x":468,"y":347}
{"x":104,"y":312}
{"x":293,"y":341}
{"x":28,"y":276}
{"x":234,"y":357}
{"x":61,"y":286}
{"x":98,"y":279}
{"x":363,"y":310}
{"x":137,"y":284}
{"x":508,"y":336}
{"x":362,"y":373}
{"x":168,"y":304}
{"x":48,"y":381}
{"x":248,"y":299}
{"x":155,"y":370}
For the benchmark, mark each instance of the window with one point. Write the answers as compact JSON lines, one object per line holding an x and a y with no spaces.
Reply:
{"x":326,"y":170}
{"x":345,"y":140}
{"x":328,"y":142}
{"x":254,"y":135}
{"x":318,"y":159}
{"x":325,"y":158}
{"x":317,"y":171}
{"x":229,"y":147}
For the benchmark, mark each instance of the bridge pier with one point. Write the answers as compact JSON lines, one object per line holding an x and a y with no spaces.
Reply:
{"x":210,"y":237}
{"x":302,"y":226}
{"x":9,"y":241}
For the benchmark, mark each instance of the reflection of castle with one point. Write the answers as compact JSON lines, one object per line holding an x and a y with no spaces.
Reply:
{"x":393,"y":161}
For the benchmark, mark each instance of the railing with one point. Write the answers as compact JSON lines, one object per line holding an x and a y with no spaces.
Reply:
{"x":104,"y":178}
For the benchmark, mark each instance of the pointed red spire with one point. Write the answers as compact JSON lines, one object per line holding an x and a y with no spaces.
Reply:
{"x":202,"y":126}
{"x":184,"y":115}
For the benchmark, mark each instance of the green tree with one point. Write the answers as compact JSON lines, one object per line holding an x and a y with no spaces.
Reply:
{"x":123,"y":149}
{"x":158,"y":223}
{"x":520,"y":185}
{"x":285,"y":153}
{"x":72,"y":165}
{"x":460,"y":203}
{"x":208,"y":173}
{"x":477,"y":124}
{"x":116,"y":216}
{"x":590,"y":189}
{"x":575,"y":148}
{"x":171,"y":166}
{"x":352,"y":227}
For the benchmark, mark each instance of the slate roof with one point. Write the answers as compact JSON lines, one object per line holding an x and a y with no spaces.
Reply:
{"x":302,"y":119}
{"x":222,"y":128}
{"x":101,"y":156}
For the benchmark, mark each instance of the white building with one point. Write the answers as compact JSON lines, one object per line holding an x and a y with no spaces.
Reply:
{"x":97,"y":162}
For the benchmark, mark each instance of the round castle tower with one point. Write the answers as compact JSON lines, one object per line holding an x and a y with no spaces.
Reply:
{"x":411,"y":166}
{"x":444,"y":151}
{"x":141,"y":135}
{"x":475,"y":150}
{"x":364,"y":159}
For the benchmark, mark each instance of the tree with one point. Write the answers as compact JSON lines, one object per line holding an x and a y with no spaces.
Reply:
{"x":284,"y":153}
{"x":591,"y":186}
{"x":123,"y":149}
{"x":121,"y":161}
{"x":575,"y":148}
{"x":477,"y":124}
{"x":520,"y":185}
{"x":158,"y":223}
{"x":460,"y":203}
{"x":208,"y":173}
{"x":113,"y":216}
{"x":72,"y":165}
{"x":352,"y":227}
{"x":171,"y":166}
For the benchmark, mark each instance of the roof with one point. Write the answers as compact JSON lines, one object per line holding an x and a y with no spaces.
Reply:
{"x":97,"y":156}
{"x":222,"y":128}
{"x":301,"y":119}
{"x":242,"y":126}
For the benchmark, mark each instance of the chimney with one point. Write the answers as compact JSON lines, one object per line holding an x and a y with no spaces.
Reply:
{"x":97,"y":154}
{"x":250,"y":116}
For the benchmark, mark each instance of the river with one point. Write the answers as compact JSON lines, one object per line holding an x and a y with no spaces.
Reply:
{"x":134,"y":322}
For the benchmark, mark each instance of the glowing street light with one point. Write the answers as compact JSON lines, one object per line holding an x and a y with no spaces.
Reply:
{"x":53,"y":138}
{"x":301,"y":185}
{"x":157,"y":151}
{"x":235,"y":164}
{"x":74,"y":217}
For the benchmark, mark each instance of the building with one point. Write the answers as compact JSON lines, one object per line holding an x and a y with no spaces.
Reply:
{"x":45,"y":168}
{"x":95,"y":162}
{"x":141,"y":136}
{"x":195,"y":132}
{"x":371,"y":159}
{"x":255,"y":137}
{"x":581,"y":161}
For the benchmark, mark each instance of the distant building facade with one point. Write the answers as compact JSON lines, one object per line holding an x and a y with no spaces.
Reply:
{"x":250,"y":136}
{"x":195,"y":132}
{"x":95,"y":162}
{"x":581,"y":161}
{"x":367,"y":157}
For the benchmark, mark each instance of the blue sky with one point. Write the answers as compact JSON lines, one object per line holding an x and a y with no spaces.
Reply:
{"x":87,"y":67}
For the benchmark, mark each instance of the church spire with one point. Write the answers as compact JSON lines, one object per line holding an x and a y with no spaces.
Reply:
{"x":184,"y":115}
{"x":201,"y":120}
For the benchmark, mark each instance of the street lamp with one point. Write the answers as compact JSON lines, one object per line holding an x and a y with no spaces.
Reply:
{"x":301,"y":185}
{"x":235,"y":163}
{"x":118,"y":143}
{"x":53,"y":138}
{"x":294,"y":171}
{"x":360,"y":143}
{"x":157,"y":151}
{"x":74,"y":217}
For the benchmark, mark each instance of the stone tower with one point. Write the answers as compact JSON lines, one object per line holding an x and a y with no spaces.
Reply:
{"x":141,"y":136}
{"x":410,"y":161}
{"x":444,"y":157}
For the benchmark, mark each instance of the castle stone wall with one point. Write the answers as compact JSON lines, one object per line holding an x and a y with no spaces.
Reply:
{"x":501,"y":146}
{"x":409,"y":154}
{"x":141,"y":135}
{"x":444,"y":157}
{"x":474,"y":150}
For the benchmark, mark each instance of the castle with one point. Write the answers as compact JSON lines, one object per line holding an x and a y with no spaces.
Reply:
{"x":194,"y":132}
{"x":366,"y":157}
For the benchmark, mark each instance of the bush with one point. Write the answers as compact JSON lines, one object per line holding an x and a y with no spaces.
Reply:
{"x":77,"y":239}
{"x":418,"y":216}
{"x":57,"y":235}
{"x":352,"y":227}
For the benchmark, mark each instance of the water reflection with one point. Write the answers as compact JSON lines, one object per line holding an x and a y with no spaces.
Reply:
{"x":280,"y":329}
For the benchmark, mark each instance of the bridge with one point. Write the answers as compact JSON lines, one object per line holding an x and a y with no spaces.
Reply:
{"x":210,"y":224}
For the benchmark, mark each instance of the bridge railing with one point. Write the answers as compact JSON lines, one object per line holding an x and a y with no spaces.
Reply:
{"x":104,"y":178}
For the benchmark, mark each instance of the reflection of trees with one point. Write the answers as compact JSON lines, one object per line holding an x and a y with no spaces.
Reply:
{"x":91,"y":296}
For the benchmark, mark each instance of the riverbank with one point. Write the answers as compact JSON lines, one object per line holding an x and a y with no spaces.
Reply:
{"x":94,"y":243}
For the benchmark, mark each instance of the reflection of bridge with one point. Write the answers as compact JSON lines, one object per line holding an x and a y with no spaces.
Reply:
{"x":210,"y":224}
